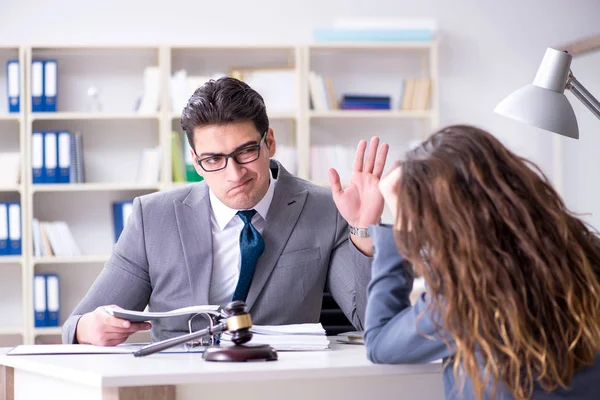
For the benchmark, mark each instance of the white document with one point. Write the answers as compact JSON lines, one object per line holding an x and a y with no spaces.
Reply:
{"x":48,"y":349}
{"x":290,"y":329}
{"x":140,"y":316}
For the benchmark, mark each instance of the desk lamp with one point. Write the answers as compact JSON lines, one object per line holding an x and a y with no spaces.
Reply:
{"x":238,"y":323}
{"x":543,"y":104}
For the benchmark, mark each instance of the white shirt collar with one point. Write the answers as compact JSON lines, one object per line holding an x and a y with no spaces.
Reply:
{"x":223,"y":214}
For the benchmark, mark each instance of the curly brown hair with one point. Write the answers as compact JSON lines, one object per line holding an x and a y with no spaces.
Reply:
{"x":512,"y":274}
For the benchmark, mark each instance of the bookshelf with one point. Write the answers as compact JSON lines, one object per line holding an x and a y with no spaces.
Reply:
{"x":114,"y":136}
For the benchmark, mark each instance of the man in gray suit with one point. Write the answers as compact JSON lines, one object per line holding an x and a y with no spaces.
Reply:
{"x":250,"y":231}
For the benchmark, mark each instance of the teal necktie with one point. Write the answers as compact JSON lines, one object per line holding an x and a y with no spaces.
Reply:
{"x":252,"y":245}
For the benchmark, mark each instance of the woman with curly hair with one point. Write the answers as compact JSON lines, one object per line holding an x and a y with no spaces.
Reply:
{"x":512,"y":303}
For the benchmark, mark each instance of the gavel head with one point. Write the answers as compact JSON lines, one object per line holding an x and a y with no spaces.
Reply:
{"x":238,"y":322}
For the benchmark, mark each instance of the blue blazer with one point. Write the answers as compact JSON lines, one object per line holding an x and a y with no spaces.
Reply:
{"x":393,"y":336}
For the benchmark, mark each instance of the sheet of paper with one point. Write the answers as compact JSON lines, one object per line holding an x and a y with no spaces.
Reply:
{"x":290,"y":329}
{"x":139,"y":316}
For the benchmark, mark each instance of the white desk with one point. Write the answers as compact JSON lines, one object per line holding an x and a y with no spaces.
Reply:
{"x":340,"y":373}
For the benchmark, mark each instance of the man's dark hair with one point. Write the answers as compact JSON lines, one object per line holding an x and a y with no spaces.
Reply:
{"x":223,"y":101}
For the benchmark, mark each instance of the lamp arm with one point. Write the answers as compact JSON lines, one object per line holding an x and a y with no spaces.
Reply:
{"x":583,"y":95}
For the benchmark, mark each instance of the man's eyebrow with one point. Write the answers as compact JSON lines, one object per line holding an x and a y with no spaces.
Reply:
{"x":248,"y":143}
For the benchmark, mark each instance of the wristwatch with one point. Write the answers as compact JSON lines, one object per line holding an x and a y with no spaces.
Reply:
{"x":359,"y":232}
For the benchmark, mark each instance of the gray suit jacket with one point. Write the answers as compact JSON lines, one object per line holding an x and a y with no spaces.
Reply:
{"x":164,"y":259}
{"x":394,"y":334}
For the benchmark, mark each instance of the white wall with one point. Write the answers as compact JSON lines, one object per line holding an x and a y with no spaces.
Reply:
{"x":488,"y":49}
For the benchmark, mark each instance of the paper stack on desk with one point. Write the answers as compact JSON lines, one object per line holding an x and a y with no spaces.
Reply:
{"x":288,"y":337}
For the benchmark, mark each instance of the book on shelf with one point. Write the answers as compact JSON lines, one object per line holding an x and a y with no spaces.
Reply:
{"x":177,"y":163}
{"x":121,"y":211}
{"x":182,"y":162}
{"x":10,"y":228}
{"x":13,"y":85}
{"x":352,"y":101}
{"x":53,"y":239}
{"x":150,"y":100}
{"x":57,"y":157}
{"x":46,"y":299}
{"x":44,"y":85}
{"x":149,"y":166}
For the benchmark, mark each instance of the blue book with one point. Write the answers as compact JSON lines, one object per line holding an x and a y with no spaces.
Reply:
{"x":39,"y":300}
{"x":13,"y":86}
{"x":14,"y":228}
{"x":121,"y":212}
{"x":50,"y":157}
{"x":52,"y":300}
{"x":37,"y":157}
{"x":37,"y":85}
{"x":50,"y":85}
{"x":3,"y":229}
{"x":65,"y":163}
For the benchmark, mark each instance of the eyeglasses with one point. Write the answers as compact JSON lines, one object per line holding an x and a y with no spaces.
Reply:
{"x":245,"y":155}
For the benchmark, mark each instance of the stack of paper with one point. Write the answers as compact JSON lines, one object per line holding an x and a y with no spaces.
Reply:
{"x":288,"y":337}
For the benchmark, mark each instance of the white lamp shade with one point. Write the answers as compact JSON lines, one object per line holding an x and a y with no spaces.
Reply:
{"x":543,"y":108}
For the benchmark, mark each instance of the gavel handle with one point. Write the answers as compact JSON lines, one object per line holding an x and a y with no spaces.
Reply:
{"x":168,"y":343}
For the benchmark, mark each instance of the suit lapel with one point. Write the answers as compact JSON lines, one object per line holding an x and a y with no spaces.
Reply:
{"x":286,"y":206}
{"x":195,"y":233}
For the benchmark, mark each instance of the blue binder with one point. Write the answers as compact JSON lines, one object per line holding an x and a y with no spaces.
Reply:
{"x":37,"y":85}
{"x":50,"y":157}
{"x":39,"y":300}
{"x":14,"y":228}
{"x":37,"y":157}
{"x":121,"y":212}
{"x":64,"y":157}
{"x":50,"y":85}
{"x":13,"y":86}
{"x":3,"y":229}
{"x":52,"y":300}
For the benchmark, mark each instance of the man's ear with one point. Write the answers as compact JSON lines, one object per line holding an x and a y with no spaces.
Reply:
{"x":270,"y":142}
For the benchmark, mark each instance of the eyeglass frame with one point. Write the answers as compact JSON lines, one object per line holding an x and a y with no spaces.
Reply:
{"x":232,"y":155}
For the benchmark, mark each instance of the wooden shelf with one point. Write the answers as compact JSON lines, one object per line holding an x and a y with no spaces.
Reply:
{"x":91,"y":187}
{"x":91,"y":259}
{"x":369,"y":114}
{"x":48,"y":331}
{"x":10,"y":117}
{"x":11,"y":259}
{"x":9,"y":189}
{"x":80,"y":116}
{"x":11,"y":331}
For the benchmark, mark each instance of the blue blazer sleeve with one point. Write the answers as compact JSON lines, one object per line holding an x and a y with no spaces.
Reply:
{"x":393,"y":332}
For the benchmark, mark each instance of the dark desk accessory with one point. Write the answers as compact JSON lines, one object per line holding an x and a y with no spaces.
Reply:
{"x":238,"y":323}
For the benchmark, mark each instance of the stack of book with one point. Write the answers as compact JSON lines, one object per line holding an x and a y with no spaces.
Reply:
{"x":354,"y":101}
{"x":294,"y":337}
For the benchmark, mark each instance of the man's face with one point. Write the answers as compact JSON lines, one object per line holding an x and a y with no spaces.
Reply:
{"x":237,"y":186}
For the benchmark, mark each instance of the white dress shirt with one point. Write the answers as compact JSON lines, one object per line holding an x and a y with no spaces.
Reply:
{"x":226,"y":227}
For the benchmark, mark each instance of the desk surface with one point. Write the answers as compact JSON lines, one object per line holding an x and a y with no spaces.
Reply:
{"x":119,"y":370}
